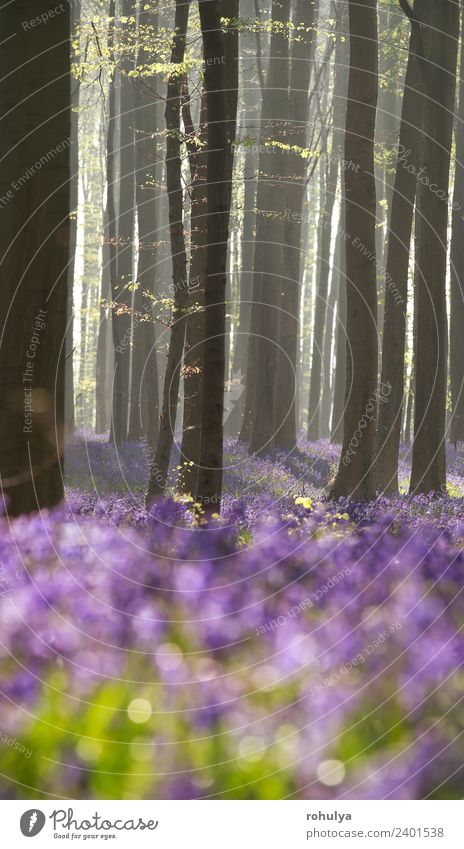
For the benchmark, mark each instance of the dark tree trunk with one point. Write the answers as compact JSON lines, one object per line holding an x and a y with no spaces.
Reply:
{"x":74,"y":186}
{"x":355,"y":474}
{"x":457,"y":272}
{"x":120,"y":319}
{"x":269,"y":231}
{"x":396,"y":282}
{"x":143,"y":413}
{"x":440,"y":37}
{"x":269,"y":237}
{"x":125,"y":224}
{"x":302,"y":59}
{"x":160,"y":467}
{"x":35,"y":98}
{"x":221,"y":85}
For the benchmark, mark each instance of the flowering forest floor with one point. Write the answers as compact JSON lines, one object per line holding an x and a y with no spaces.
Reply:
{"x":291,"y":649}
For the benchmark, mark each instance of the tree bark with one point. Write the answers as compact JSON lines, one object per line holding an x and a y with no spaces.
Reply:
{"x":457,"y":272}
{"x":35,"y":99}
{"x":328,"y":189}
{"x":160,"y":466}
{"x":302,"y":58}
{"x":221,"y":84}
{"x":440,"y":37}
{"x":396,"y":278}
{"x":143,"y":413}
{"x":271,"y":202}
{"x":355,"y":476}
{"x":193,"y":357}
{"x":338,"y":408}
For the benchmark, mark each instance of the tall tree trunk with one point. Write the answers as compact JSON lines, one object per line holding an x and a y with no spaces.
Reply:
{"x":269,"y":231}
{"x":326,"y":399}
{"x":440,"y":38}
{"x":221,"y":86}
{"x":355,"y":473}
{"x":143,"y":411}
{"x":457,"y":272}
{"x":35,"y":171}
{"x":338,"y":408}
{"x":337,"y":289}
{"x":104,"y":343}
{"x":246,"y":273}
{"x":144,"y":400}
{"x":126,"y":218}
{"x":269,"y":237}
{"x":75,"y":11}
{"x":160,"y":467}
{"x":328,"y":189}
{"x":120,"y":316}
{"x":396,"y":278}
{"x":302,"y":58}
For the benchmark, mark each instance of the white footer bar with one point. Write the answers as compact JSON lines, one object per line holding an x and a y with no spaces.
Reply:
{"x":232,"y":824}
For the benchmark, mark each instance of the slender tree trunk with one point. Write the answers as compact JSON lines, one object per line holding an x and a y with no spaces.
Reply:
{"x":160,"y":467}
{"x":101,"y":420}
{"x":457,"y":271}
{"x":269,"y":232}
{"x":75,"y":11}
{"x":342,"y":58}
{"x":118,"y":316}
{"x":440,"y":39}
{"x":324,"y":431}
{"x":337,"y":288}
{"x":355,"y":474}
{"x":193,"y":358}
{"x":306,"y":15}
{"x":328,"y":189}
{"x":104,"y":343}
{"x":396,"y":282}
{"x":269,"y":236}
{"x":246,"y":273}
{"x":125,"y":221}
{"x":143,"y":412}
{"x":338,"y":408}
{"x":221,"y":85}
{"x":35,"y":102}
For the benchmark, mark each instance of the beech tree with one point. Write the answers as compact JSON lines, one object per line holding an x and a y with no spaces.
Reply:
{"x":440,"y":36}
{"x":35,"y":98}
{"x":355,"y":476}
{"x":220,"y":82}
{"x":397,"y":267}
{"x":160,"y":465}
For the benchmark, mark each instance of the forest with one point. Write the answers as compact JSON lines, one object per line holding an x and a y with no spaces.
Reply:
{"x":232,"y":399}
